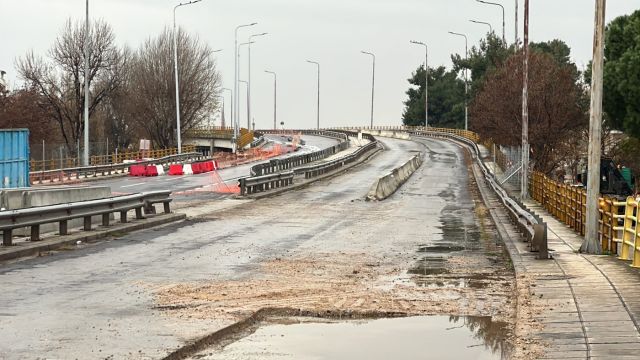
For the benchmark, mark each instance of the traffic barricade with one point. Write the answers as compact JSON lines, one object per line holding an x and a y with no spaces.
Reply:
{"x":196,"y":168}
{"x":151,"y":170}
{"x":160,"y":169}
{"x":187,"y":170}
{"x":136,"y":170}
{"x":176,"y":169}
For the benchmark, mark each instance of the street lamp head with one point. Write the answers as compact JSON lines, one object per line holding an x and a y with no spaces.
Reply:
{"x":188,"y":3}
{"x":417,"y":42}
{"x":217,"y":51}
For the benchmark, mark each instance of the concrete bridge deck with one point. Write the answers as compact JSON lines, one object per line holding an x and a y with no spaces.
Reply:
{"x":430,"y":249}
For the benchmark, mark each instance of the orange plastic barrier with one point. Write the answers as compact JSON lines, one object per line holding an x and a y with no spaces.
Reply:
{"x":136,"y":170}
{"x":175,"y":169}
{"x":151,"y":170}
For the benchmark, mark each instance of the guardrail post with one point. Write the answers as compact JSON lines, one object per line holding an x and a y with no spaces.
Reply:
{"x":139,"y":213}
{"x":7,"y":237}
{"x":87,"y":223}
{"x":105,"y":219}
{"x":123,"y":217}
{"x":540,"y":241}
{"x":63,"y":227}
{"x":167,"y":208}
{"x":35,"y":232}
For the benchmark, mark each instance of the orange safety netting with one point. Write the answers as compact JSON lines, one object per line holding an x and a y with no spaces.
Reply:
{"x":252,"y":155}
{"x":217,"y":185}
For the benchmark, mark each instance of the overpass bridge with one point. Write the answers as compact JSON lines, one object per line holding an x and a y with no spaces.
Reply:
{"x":443,"y":249}
{"x":207,"y":140}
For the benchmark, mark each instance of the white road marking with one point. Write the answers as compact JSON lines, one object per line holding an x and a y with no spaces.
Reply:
{"x":132,"y":185}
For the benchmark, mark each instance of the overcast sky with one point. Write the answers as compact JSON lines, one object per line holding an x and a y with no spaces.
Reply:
{"x":332,"y":32}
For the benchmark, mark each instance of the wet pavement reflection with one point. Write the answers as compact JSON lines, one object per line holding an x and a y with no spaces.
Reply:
{"x":425,"y":337}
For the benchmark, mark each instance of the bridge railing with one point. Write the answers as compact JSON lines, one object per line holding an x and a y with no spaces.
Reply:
{"x":93,"y":171}
{"x":96,"y":160}
{"x":277,"y":165}
{"x":617,"y":229}
{"x":34,"y":217}
{"x":274,"y":177}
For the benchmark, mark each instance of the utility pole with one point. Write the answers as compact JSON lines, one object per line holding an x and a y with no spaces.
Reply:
{"x":85,"y":158}
{"x":591,"y":242}
{"x":516,"y":24}
{"x":524,"y":182}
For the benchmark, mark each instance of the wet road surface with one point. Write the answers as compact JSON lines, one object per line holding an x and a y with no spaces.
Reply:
{"x":426,"y":337}
{"x":117,"y":299}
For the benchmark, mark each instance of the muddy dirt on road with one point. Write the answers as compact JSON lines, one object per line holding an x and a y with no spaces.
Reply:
{"x":429,"y":250}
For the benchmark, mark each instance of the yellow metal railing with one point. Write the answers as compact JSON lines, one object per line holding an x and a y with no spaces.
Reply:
{"x":246,"y":138}
{"x":39,"y":165}
{"x":618,"y":230}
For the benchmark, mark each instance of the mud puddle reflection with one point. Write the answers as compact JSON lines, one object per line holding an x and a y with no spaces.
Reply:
{"x":433,"y":337}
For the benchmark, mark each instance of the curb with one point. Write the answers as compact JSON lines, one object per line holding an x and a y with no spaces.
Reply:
{"x":280,"y":191}
{"x":34,"y":248}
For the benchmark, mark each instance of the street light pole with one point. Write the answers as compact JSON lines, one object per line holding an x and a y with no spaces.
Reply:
{"x":236,"y":105}
{"x":504,"y":39}
{"x":466,"y":79}
{"x":318,"y":108}
{"x":275,"y":98}
{"x":524,"y":183}
{"x":246,"y":83}
{"x":175,"y":61}
{"x":249,"y":96}
{"x":591,"y":243}
{"x":483,"y":23}
{"x":373,"y":83}
{"x":426,"y":82}
{"x":86,"y":88}
{"x":231,"y":98}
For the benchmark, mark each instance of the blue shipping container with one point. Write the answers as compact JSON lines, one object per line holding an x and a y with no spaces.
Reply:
{"x":14,"y":158}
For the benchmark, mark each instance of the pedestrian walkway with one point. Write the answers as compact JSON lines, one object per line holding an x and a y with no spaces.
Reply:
{"x":591,"y":303}
{"x":584,"y":306}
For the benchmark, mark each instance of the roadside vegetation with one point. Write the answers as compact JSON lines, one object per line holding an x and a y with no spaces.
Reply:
{"x":132,"y":92}
{"x":558,"y":97}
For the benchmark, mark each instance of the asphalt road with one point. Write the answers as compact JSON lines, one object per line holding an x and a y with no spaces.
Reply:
{"x":98,"y":302}
{"x":125,"y":185}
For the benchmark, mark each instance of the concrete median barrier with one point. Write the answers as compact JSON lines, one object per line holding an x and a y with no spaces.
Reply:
{"x":390,"y":183}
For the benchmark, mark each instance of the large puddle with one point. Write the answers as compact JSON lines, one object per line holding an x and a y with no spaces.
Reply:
{"x":425,"y":337}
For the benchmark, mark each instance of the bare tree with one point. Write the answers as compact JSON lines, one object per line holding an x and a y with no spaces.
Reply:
{"x":151,"y":86}
{"x":60,"y":77}
{"x":555,"y":108}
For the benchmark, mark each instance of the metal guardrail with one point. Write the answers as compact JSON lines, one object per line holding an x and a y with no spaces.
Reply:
{"x":277,"y":165}
{"x":262,"y":183}
{"x":529,"y":224}
{"x":255,"y":184}
{"x":62,"y":213}
{"x":321,"y":169}
{"x":77,"y":172}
